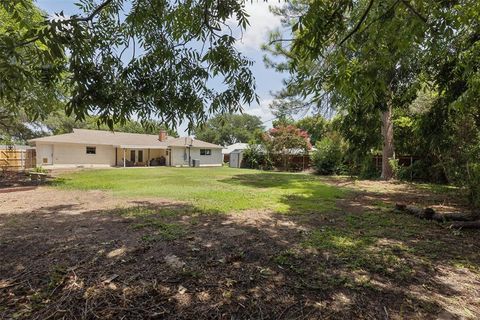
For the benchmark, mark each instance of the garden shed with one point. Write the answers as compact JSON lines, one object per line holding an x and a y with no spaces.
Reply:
{"x":236,"y":158}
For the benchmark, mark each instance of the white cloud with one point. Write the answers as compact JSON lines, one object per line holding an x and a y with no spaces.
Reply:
{"x":262,"y":110}
{"x":262,"y":21}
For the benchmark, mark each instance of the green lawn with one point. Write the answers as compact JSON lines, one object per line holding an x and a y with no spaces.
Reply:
{"x":362,"y":258}
{"x":213,"y":189}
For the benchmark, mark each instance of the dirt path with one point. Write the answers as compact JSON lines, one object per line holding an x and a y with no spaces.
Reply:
{"x":88,"y":255}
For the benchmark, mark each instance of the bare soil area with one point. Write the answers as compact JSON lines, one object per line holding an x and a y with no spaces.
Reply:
{"x":89,"y":255}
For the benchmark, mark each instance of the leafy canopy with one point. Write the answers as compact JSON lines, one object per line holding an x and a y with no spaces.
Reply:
{"x":23,"y":69}
{"x":355,"y":56}
{"x":229,"y":129}
{"x":148,"y":58}
{"x":59,"y":123}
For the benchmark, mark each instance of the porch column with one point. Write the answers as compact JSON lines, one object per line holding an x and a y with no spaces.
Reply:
{"x":148,"y":158}
{"x":124,"y":158}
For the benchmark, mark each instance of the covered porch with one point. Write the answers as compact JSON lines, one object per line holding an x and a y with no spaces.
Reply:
{"x":141,"y":156}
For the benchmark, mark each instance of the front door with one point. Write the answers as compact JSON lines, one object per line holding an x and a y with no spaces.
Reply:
{"x":132,"y":156}
{"x":140,"y":155}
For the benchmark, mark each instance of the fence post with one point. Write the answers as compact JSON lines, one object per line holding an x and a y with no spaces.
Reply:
{"x":411,"y":169}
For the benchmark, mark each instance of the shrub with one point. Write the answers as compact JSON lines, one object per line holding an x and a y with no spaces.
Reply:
{"x":368,"y":170}
{"x":328,"y":158}
{"x":254,"y":157}
{"x":394,"y":164}
{"x":473,"y":184}
{"x":39,"y":169}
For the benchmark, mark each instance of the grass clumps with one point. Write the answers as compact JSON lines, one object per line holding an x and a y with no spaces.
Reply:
{"x":364,"y":243}
{"x":160,"y":230}
{"x":152,"y":221}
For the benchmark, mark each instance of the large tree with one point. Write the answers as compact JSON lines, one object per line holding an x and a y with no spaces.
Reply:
{"x":366,"y":58}
{"x":146,"y":58}
{"x":40,"y":96}
{"x":230,"y":128}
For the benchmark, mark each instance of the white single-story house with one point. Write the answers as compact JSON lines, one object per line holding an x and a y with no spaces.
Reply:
{"x":96,"y":148}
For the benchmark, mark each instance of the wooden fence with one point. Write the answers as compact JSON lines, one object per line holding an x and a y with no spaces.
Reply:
{"x":403,"y":161}
{"x":17,"y":160}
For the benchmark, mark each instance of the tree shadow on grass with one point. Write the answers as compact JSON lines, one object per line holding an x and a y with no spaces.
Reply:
{"x":176,"y":262}
{"x":371,"y":247}
{"x":300,"y":193}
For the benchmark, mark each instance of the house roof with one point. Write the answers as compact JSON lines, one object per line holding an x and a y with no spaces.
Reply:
{"x":189,"y":141}
{"x":236,"y":146}
{"x":121,"y":139}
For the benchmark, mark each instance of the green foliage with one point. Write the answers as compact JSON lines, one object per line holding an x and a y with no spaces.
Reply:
{"x":329,"y":156}
{"x":228,"y":129}
{"x":422,"y":57}
{"x":256,"y":157}
{"x":394,"y":164}
{"x":59,"y":123}
{"x":30,"y":79}
{"x":368,"y":170}
{"x":473,"y":184}
{"x":140,"y":60}
{"x":316,"y":126}
{"x":7,"y":140}
{"x":39,"y":169}
{"x":161,"y":230}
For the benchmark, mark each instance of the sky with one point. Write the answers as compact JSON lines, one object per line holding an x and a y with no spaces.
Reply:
{"x":261,"y":22}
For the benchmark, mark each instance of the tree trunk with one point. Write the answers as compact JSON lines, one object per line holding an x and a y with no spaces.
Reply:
{"x":388,"y":151}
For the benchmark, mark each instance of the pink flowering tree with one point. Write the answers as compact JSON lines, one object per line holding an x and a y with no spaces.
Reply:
{"x":282,"y":142}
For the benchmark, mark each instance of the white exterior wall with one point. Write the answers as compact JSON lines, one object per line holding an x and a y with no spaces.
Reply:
{"x":178,"y":158}
{"x":215,"y":159}
{"x":71,"y":155}
{"x":76,"y":154}
{"x":44,"y":151}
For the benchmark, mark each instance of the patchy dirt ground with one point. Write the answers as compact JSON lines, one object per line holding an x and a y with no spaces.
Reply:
{"x":88,"y":255}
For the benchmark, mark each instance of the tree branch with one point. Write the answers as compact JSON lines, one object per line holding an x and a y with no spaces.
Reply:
{"x":80,"y":19}
{"x":414,"y":11}
{"x":93,"y":14}
{"x":392,"y":7}
{"x":362,"y":19}
{"x":280,"y":40}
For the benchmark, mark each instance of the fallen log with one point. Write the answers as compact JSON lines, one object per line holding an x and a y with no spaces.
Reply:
{"x":465,"y":225}
{"x":431,"y":214}
{"x":427,"y":213}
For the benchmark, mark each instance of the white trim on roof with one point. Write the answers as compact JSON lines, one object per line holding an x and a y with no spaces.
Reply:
{"x":133,"y":146}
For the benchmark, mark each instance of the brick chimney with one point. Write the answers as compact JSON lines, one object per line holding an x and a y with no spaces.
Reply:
{"x":162,"y":136}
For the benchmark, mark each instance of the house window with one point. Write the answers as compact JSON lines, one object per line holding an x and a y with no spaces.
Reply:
{"x":132,"y":155}
{"x":140,"y":155}
{"x":91,"y":150}
{"x":205,"y":152}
